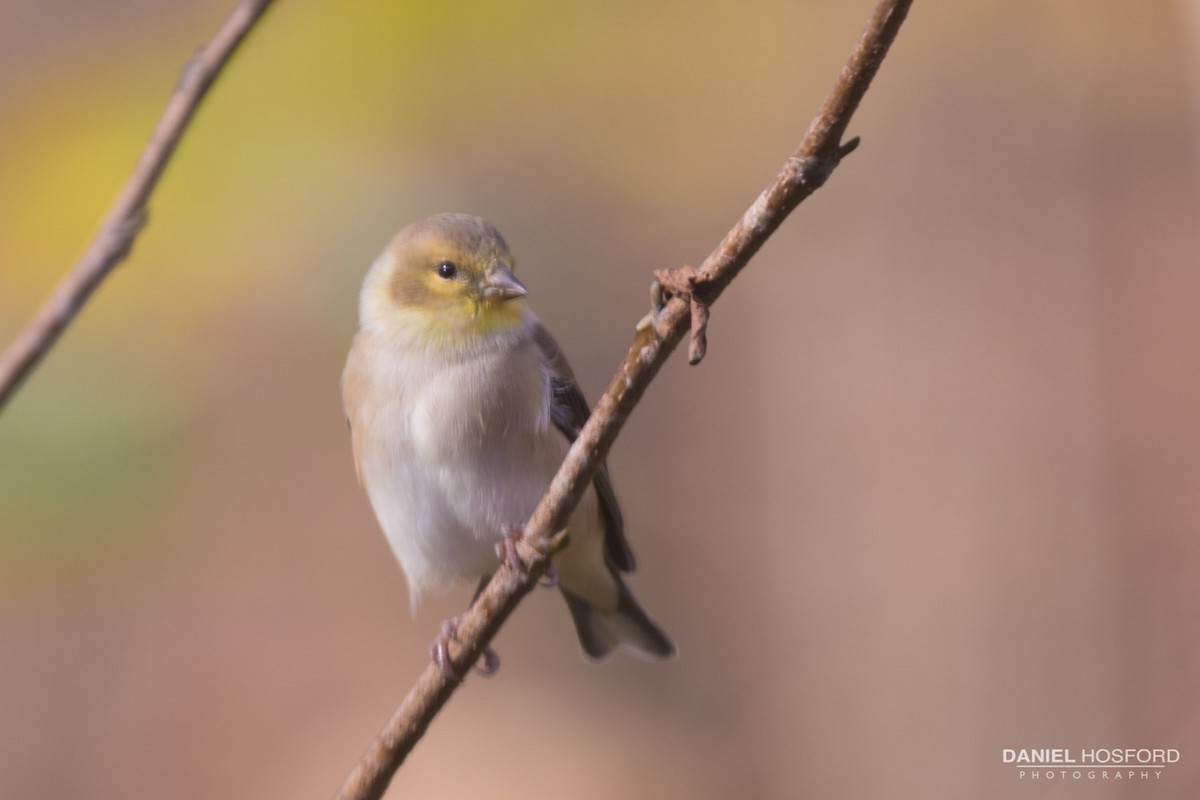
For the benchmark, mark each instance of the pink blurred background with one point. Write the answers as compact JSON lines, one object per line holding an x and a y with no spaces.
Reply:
{"x":934,"y":492}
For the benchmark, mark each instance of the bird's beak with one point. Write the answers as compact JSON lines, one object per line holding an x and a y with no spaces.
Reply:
{"x":500,"y":284}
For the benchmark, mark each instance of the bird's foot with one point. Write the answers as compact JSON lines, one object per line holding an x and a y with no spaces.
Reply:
{"x":489,"y":663}
{"x":439,"y":651}
{"x":506,"y":548}
{"x":508,"y":553}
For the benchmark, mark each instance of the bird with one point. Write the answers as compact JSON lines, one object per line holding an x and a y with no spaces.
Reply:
{"x":461,"y":408}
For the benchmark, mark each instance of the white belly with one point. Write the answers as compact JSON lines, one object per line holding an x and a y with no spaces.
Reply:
{"x":456,"y":452}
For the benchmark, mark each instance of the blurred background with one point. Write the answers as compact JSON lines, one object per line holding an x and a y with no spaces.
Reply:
{"x":934,"y":492}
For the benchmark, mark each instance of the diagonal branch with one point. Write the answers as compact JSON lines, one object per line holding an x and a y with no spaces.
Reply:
{"x":128,"y":214}
{"x":803,"y":173}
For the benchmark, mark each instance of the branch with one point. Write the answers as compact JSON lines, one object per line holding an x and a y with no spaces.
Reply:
{"x":128,"y":214}
{"x":691,"y":291}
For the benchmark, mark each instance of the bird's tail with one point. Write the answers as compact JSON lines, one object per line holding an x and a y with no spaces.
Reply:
{"x":600,"y":632}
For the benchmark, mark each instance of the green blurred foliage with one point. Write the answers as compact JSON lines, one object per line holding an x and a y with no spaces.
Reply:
{"x":80,"y":477}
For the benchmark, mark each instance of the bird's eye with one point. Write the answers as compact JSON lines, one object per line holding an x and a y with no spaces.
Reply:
{"x":447,"y":270}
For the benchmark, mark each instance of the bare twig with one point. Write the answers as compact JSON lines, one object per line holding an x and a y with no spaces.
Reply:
{"x":128,"y":215}
{"x":803,"y":173}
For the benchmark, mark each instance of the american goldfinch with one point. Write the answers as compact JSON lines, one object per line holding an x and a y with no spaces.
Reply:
{"x":461,"y":409}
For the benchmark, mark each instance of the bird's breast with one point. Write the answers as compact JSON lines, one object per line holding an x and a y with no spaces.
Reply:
{"x":478,"y":424}
{"x":473,"y":405}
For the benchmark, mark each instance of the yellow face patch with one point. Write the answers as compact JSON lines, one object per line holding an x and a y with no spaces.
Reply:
{"x":491,"y":316}
{"x":455,"y":324}
{"x":445,"y":300}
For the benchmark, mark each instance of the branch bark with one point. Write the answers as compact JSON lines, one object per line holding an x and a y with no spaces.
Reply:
{"x":128,"y":214}
{"x":690,"y":291}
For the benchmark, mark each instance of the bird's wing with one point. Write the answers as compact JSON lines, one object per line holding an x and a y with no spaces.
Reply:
{"x":569,"y":411}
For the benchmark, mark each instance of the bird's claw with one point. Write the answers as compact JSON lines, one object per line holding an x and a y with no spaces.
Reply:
{"x":489,"y":663}
{"x":506,"y":548}
{"x":439,"y":652}
{"x":507,"y":552}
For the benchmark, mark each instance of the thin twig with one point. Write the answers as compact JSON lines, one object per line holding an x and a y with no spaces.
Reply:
{"x":128,"y":214}
{"x":804,"y":172}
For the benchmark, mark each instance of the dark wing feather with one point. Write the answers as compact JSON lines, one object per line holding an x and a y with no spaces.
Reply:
{"x":569,"y":411}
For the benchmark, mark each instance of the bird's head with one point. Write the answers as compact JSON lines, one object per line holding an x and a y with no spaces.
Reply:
{"x":449,"y":278}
